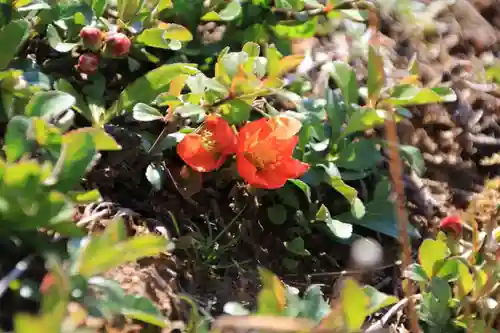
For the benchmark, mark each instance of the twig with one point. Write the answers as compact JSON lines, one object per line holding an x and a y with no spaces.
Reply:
{"x":379,"y":324}
{"x":396,"y":172}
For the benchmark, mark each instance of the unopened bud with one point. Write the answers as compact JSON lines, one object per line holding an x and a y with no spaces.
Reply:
{"x":88,"y":63}
{"x":91,"y":38}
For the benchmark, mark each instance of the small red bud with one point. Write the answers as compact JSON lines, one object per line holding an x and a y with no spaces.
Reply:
{"x":451,"y":224}
{"x":91,"y":38}
{"x":47,"y":282}
{"x":88,"y":63}
{"x":116,"y":45}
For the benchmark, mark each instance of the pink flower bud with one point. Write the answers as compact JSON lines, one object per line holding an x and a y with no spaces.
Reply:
{"x":91,"y":38}
{"x":88,"y":63}
{"x":451,"y":224}
{"x":117,"y":45}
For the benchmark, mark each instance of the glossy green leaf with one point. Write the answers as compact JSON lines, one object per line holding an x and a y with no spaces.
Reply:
{"x":236,"y":111}
{"x":190,"y":110}
{"x":406,"y":94}
{"x":146,"y":88}
{"x":102,"y":140}
{"x":378,"y":300}
{"x":354,"y":304}
{"x":345,"y":78}
{"x":416,"y":273}
{"x":339,"y":229}
{"x":55,"y":40}
{"x":296,"y":246}
{"x":277,"y":214}
{"x":128,"y":9}
{"x":17,"y":140}
{"x":154,"y":175}
{"x":160,"y":37}
{"x":359,"y":155}
{"x":48,"y":104}
{"x":111,"y":256}
{"x":465,"y":278}
{"x":271,"y":299}
{"x":363,"y":119}
{"x":12,"y":38}
{"x":229,"y":13}
{"x":430,"y":252}
{"x":296,"y":30}
{"x":414,"y":158}
{"x":144,"y":112}
{"x":80,"y":103}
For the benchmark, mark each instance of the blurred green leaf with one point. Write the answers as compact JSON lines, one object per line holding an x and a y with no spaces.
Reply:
{"x":55,"y":40}
{"x":297,"y":29}
{"x":229,"y":13}
{"x":276,"y":213}
{"x":363,"y":119}
{"x":431,"y":252}
{"x":354,"y":303}
{"x":48,"y":104}
{"x":340,"y":229}
{"x":236,"y":111}
{"x":271,"y":299}
{"x":146,"y":88}
{"x":144,"y":112}
{"x":296,"y":246}
{"x":345,"y":78}
{"x":161,"y":37}
{"x":111,"y":255}
{"x":101,"y":139}
{"x":378,"y":300}
{"x":314,"y":305}
{"x":359,"y":155}
{"x":416,"y":273}
{"x":154,"y":175}
{"x":128,"y":9}
{"x":12,"y":38}
{"x":406,"y":94}
{"x":17,"y":140}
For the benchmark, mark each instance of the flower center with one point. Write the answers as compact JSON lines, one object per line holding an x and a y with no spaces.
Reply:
{"x":262,"y":156}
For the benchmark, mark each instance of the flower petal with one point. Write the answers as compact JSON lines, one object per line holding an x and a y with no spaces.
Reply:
{"x":291,"y":168}
{"x":192,"y":152}
{"x":252,"y":133}
{"x":284,"y":127}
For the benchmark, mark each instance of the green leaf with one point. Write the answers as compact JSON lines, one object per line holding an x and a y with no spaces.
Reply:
{"x":144,"y":112}
{"x":449,"y":270}
{"x":296,"y":29}
{"x":101,"y":139}
{"x":416,"y":273}
{"x":85,"y":197}
{"x":345,"y":78}
{"x":358,"y":209}
{"x":77,"y":155}
{"x":363,"y":119}
{"x":232,"y":10}
{"x":354,"y":304}
{"x":313,"y":304}
{"x":12,"y":38}
{"x":55,"y":40}
{"x":48,"y":104}
{"x":414,"y":158}
{"x":271,"y":299}
{"x":112,"y":255}
{"x":154,"y":175}
{"x":297,"y":247}
{"x":277,"y":214}
{"x":406,"y":94}
{"x":338,"y":228}
{"x":252,"y":49}
{"x":378,"y":300}
{"x":376,"y":75}
{"x":359,"y":155}
{"x":431,"y":252}
{"x":465,"y":278}
{"x":146,"y":88}
{"x":161,"y":37}
{"x":80,"y":103}
{"x":17,"y":139}
{"x":236,"y":111}
{"x":190,"y":110}
{"x":128,"y":9}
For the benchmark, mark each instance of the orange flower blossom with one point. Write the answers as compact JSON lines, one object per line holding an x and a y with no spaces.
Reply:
{"x":264,"y":155}
{"x":207,"y":148}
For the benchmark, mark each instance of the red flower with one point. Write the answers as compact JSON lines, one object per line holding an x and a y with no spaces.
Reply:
{"x":207,"y":148}
{"x":88,"y":63}
{"x":451,"y":224}
{"x":91,"y":38}
{"x":265,"y":148}
{"x":117,"y":44}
